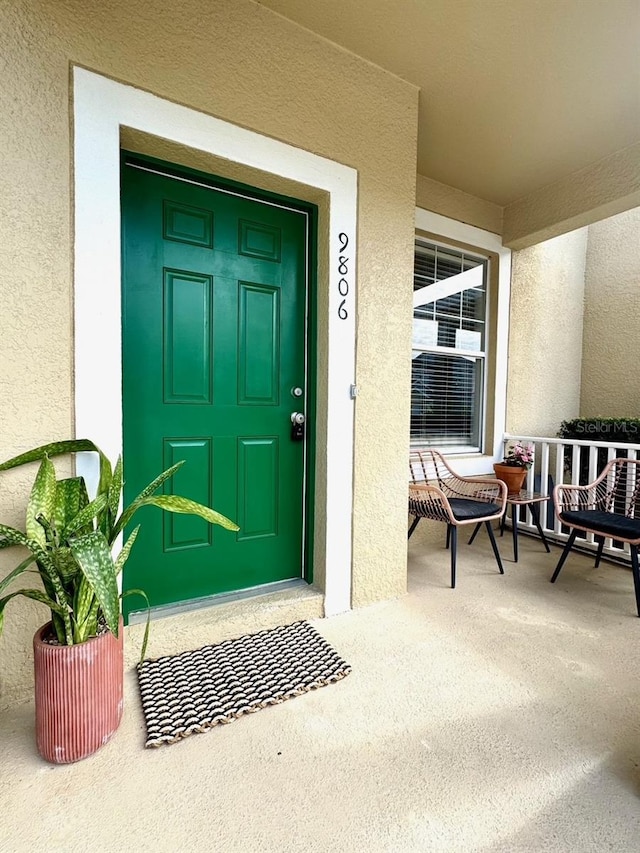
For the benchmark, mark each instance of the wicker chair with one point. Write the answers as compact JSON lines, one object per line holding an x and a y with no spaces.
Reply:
{"x":436,"y":492}
{"x":608,"y":507}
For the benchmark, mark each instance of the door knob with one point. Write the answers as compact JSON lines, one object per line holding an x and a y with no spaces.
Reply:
{"x":297,"y":426}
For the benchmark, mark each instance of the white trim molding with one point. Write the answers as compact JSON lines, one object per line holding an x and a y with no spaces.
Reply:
{"x":101,"y":107}
{"x":497,"y":329}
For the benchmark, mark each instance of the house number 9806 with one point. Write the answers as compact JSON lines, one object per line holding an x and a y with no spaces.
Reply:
{"x":343,"y":271}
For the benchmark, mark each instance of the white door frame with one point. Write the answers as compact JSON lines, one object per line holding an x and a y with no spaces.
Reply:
{"x":101,"y":107}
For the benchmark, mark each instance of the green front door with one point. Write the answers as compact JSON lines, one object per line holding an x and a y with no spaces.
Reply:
{"x":214,"y":356}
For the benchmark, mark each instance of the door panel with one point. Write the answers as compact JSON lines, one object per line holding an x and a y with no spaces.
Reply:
{"x":258,"y":487}
{"x":187,"y":355}
{"x":214,"y":304}
{"x":188,"y":531}
{"x":258,"y":345}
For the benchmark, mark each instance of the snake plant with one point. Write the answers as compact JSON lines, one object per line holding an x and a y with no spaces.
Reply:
{"x":70,"y":539}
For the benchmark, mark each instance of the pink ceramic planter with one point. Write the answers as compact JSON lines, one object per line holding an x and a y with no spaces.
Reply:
{"x":78,"y":695}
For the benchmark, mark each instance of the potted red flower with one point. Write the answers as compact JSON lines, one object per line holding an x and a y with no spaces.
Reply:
{"x":513,"y":468}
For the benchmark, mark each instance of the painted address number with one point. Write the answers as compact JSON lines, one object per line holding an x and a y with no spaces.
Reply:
{"x":343,"y":271}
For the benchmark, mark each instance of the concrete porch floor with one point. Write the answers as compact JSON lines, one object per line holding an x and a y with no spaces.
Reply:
{"x":500,"y":716}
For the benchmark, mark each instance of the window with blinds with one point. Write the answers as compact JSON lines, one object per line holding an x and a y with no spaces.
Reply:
{"x":448,"y":356}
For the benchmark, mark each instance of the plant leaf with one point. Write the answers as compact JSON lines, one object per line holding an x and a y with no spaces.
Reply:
{"x":124,"y":553}
{"x":59,"y":627}
{"x":115,"y":489}
{"x":145,"y":639}
{"x":105,"y":475}
{"x":176,"y":503}
{"x":135,"y":505}
{"x":71,"y":497}
{"x":56,"y":448}
{"x":55,"y":588}
{"x":65,"y":564}
{"x":85,"y":517}
{"x":13,"y":536}
{"x":90,"y":627}
{"x":83,"y":605}
{"x":22,"y":567}
{"x":36,"y":595}
{"x":41,"y":501}
{"x":94,"y":558}
{"x":45,"y":563}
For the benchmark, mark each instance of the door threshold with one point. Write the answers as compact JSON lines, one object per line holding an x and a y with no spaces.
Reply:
{"x":136,"y":617}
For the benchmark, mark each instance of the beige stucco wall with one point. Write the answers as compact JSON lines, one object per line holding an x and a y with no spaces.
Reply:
{"x":545,"y":336}
{"x":240,"y":62}
{"x":458,"y":205}
{"x":610,"y":387}
{"x":601,"y":190}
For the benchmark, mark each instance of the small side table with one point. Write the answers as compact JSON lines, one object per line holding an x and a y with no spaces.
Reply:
{"x":532,"y":500}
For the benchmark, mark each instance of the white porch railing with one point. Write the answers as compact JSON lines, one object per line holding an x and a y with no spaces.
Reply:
{"x":565,"y":460}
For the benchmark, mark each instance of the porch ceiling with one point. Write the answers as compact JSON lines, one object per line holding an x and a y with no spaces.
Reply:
{"x":514,"y":95}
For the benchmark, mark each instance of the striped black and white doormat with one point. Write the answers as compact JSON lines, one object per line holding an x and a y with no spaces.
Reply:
{"x":193,"y":691}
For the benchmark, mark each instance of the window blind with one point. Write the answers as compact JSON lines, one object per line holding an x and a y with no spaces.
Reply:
{"x":447,"y":375}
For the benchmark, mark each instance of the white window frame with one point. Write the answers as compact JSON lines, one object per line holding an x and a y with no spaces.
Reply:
{"x":485,"y":263}
{"x":436,"y":228}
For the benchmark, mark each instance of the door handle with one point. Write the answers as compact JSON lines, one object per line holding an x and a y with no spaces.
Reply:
{"x":297,"y":426}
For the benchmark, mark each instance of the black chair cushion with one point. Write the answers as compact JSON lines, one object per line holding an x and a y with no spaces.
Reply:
{"x":607,"y":523}
{"x":468,"y":510}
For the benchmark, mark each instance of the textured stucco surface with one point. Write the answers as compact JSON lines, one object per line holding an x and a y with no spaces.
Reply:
{"x":596,"y":192}
{"x":610,"y":385}
{"x":515,"y":94}
{"x":498,"y":717}
{"x":545,"y":336}
{"x":242,"y":63}
{"x":458,"y":205}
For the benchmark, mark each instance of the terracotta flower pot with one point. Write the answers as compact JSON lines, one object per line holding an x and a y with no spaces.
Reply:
{"x":513,"y":476}
{"x":78,"y":695}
